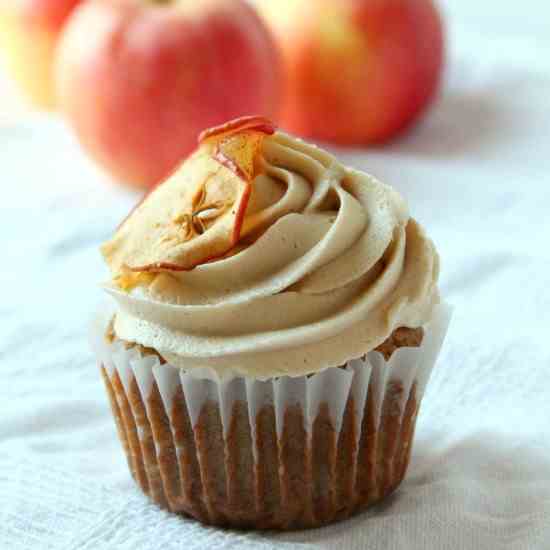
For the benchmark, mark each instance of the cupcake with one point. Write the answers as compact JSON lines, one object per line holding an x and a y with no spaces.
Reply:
{"x":276,"y":318}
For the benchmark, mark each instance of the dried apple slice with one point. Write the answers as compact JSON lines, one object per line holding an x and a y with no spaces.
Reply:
{"x":258,"y":124}
{"x":237,"y":143}
{"x":197,"y":214}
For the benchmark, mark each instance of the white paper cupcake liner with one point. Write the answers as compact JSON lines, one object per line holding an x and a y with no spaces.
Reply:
{"x":283,"y":453}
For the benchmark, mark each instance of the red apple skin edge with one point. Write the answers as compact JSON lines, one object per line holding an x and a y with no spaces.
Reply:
{"x":357,"y":71}
{"x":139,"y":81}
{"x":46,"y":14}
{"x":29,"y":30}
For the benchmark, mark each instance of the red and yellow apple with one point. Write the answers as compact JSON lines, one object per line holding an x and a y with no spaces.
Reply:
{"x":357,"y":71}
{"x":29,"y":30}
{"x":139,"y":79}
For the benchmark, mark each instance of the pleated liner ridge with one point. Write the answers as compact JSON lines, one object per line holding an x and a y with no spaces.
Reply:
{"x":285,"y":453}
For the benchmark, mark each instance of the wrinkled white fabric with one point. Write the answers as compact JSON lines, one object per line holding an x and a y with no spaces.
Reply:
{"x":475,"y":172}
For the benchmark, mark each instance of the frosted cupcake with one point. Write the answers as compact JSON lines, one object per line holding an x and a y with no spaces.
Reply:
{"x":277,"y":318}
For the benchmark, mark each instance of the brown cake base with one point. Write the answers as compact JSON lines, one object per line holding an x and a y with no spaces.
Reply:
{"x":297,"y":480}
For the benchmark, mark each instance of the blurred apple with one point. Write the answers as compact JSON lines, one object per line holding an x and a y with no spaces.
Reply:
{"x":29,"y":30}
{"x":357,"y":71}
{"x":140,"y":79}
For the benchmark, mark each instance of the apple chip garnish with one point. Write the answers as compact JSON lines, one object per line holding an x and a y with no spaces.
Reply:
{"x":257,"y":124}
{"x":237,"y":143}
{"x":197,"y":214}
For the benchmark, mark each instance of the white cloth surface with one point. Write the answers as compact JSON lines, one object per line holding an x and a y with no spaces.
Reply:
{"x":476,"y":173}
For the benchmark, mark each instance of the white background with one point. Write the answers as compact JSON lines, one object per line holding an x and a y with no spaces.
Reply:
{"x":476,"y":174}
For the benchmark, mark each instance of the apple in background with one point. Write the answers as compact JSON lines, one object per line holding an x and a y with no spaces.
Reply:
{"x":29,"y":30}
{"x":357,"y":71}
{"x":140,"y":79}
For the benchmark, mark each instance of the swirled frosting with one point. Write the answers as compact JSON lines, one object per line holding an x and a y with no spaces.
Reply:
{"x":327,"y":264}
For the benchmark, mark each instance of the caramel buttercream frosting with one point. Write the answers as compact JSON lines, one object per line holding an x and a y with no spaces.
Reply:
{"x":264,"y":256}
